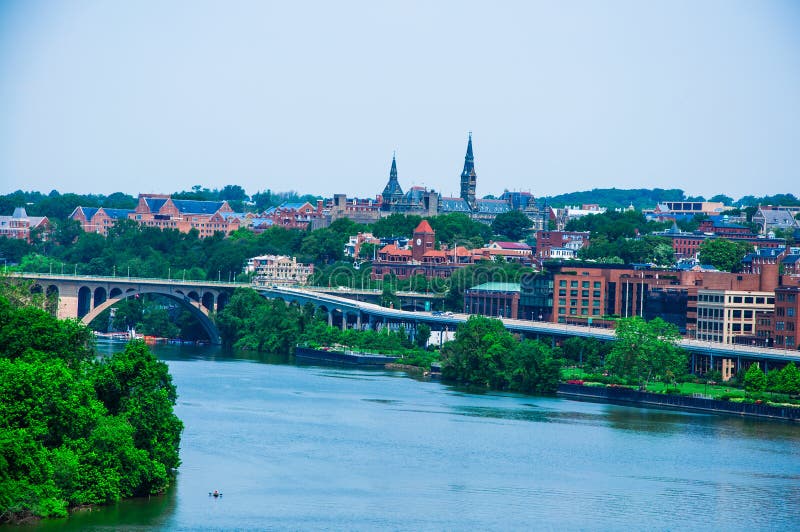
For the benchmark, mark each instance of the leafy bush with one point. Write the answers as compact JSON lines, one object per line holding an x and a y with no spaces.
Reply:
{"x":74,"y":430}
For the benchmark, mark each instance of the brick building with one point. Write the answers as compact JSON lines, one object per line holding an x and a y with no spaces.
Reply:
{"x":786,"y":327}
{"x":292,"y":215}
{"x":548,"y":241}
{"x":19,"y":225}
{"x":99,"y":220}
{"x":163,"y":212}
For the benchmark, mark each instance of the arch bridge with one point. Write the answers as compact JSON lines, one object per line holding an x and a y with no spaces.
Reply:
{"x":86,"y":297}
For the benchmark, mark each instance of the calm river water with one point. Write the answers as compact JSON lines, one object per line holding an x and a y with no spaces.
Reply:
{"x":304,"y":447}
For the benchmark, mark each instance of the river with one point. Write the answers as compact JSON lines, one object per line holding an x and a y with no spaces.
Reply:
{"x":305,"y":447}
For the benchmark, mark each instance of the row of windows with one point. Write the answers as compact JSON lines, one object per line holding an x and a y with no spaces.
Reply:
{"x":574,"y":284}
{"x":717,"y":326}
{"x":574,"y":312}
{"x":791,"y":298}
{"x":784,"y":340}
{"x":784,"y":311}
{"x":747,"y":300}
{"x":574,"y":302}
{"x":574,"y":293}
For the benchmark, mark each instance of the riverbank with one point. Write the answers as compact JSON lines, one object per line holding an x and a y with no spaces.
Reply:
{"x":341,"y":357}
{"x":621,"y":395}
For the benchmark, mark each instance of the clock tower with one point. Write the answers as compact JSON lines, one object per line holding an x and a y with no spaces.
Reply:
{"x":423,"y":240}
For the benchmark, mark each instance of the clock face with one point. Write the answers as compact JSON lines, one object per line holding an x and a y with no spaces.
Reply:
{"x":419,"y":241}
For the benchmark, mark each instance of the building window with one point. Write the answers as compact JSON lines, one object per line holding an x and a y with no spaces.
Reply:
{"x":562,"y":283}
{"x":585,"y":284}
{"x":597,"y":284}
{"x":573,"y":284}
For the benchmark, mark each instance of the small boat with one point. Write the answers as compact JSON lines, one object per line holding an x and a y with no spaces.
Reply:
{"x":215,"y":493}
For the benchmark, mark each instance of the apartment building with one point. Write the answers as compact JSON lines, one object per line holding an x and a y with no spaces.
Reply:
{"x":727,"y":315}
{"x":279,"y":270}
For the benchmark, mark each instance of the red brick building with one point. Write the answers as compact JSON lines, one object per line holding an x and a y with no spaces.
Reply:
{"x":98,"y":220}
{"x":19,"y":225}
{"x":786,"y":321}
{"x":547,"y":241}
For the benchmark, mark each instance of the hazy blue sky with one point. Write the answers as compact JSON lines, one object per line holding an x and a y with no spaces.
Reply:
{"x":104,"y":96}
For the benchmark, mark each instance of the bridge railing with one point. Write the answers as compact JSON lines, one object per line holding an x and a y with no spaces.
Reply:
{"x":125,"y":278}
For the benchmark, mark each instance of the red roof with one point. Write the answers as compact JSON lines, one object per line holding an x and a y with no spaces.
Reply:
{"x":424,"y":227}
{"x":435,"y":253}
{"x":392,"y":249}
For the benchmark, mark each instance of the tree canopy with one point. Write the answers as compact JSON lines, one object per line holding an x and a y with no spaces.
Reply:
{"x":646,"y":351}
{"x":485,"y":354}
{"x":75,"y":430}
{"x":724,"y":255}
{"x":511,"y":224}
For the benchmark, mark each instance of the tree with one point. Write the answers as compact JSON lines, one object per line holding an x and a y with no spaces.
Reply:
{"x":396,"y":225}
{"x":477,"y":354}
{"x":532,"y":368}
{"x":663,"y":255}
{"x":644,"y":351}
{"x":724,"y":255}
{"x":423,"y":335}
{"x":511,"y":224}
{"x":789,"y":379}
{"x":722,"y":198}
{"x":754,"y":379}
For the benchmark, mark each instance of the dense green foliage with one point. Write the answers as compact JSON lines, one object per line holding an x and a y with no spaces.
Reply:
{"x":754,"y":379}
{"x":724,"y":255}
{"x":614,"y":198}
{"x":646,"y":350}
{"x":622,"y":237}
{"x":485,"y":354}
{"x":644,"y":198}
{"x":252,"y":322}
{"x":75,"y":430}
{"x":786,"y":380}
{"x":587,"y":353}
{"x":512,"y":225}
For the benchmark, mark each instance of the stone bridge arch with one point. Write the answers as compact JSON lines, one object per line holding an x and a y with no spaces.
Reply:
{"x":195,"y":307}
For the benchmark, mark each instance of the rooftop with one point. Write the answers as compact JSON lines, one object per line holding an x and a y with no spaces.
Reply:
{"x":497,"y":287}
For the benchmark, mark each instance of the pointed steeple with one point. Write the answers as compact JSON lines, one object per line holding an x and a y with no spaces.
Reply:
{"x":392,"y":192}
{"x":468,"y":176}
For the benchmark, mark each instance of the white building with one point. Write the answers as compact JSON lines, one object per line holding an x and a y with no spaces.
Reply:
{"x":725,"y":314}
{"x":279,"y":270}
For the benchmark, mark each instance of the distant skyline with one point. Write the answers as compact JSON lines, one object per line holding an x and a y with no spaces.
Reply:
{"x":137,"y":97}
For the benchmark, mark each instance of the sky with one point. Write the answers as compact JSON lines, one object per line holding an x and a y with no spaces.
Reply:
{"x":155,"y":96}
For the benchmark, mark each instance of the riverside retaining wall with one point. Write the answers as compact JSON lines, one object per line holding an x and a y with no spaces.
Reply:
{"x":614,"y":394}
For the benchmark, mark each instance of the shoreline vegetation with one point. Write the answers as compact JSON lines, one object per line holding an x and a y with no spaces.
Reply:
{"x":645,"y":355}
{"x":78,"y":430}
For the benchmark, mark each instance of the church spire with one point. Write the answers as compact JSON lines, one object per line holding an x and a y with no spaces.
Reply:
{"x":392,"y":192}
{"x":468,"y":176}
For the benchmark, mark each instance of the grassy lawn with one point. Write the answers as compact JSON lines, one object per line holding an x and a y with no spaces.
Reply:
{"x":689,"y":388}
